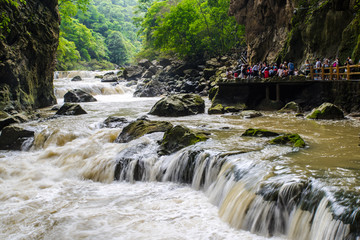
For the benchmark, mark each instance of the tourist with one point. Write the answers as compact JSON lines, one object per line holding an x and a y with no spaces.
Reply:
{"x":291,"y":68}
{"x":229,"y":73}
{"x":326,"y":70}
{"x":307,"y":67}
{"x":317,"y":69}
{"x":255,"y":70}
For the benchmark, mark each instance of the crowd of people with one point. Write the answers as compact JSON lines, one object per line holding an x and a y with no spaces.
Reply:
{"x":264,"y":70}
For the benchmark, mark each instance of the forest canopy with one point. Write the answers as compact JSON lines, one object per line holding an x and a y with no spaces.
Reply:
{"x":95,"y":34}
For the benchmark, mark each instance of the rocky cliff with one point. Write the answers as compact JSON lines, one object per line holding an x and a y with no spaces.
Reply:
{"x":28,"y":45}
{"x":298,"y":29}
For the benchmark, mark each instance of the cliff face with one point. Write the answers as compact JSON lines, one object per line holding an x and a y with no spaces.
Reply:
{"x":298,"y":29}
{"x":27,"y":54}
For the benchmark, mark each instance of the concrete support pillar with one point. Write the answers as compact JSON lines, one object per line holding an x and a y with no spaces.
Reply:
{"x":278,"y":92}
{"x":267,"y":93}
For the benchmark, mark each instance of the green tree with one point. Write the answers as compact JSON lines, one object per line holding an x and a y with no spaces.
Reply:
{"x":116,"y":44}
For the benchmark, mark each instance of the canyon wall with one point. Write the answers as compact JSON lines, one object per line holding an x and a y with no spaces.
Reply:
{"x":28,"y":46}
{"x":283,"y":30}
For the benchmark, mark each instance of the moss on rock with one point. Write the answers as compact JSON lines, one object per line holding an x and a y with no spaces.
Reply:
{"x":252,"y":132}
{"x":326,"y":111}
{"x":293,"y":140}
{"x":139,"y":128}
{"x":179,"y":137}
{"x":218,"y":109}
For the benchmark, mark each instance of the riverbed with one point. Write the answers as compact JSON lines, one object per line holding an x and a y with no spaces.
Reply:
{"x":63,"y":187}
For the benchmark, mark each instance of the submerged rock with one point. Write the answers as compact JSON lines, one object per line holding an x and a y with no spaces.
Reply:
{"x":326,"y":111}
{"x":252,"y":132}
{"x":293,"y":140}
{"x":179,"y":137}
{"x":78,"y":95}
{"x":109,"y":77}
{"x":76,"y":79}
{"x":250,"y":114}
{"x":139,"y":128}
{"x":179,"y":105}
{"x":113,"y":122}
{"x":12,"y":137}
{"x":71,"y":109}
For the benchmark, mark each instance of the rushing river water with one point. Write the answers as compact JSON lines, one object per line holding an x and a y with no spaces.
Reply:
{"x":229,"y":187}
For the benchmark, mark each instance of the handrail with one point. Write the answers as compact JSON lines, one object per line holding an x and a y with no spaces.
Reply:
{"x":334,"y":72}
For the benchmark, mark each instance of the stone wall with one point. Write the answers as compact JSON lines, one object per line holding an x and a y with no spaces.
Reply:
{"x":27,"y":55}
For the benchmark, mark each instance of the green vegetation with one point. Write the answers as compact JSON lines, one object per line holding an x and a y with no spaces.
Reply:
{"x":95,"y":34}
{"x":189,"y":29}
{"x":4,"y":18}
{"x":293,"y":140}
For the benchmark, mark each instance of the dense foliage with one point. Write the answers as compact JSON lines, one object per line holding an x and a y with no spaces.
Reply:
{"x":189,"y":28}
{"x":98,"y":36}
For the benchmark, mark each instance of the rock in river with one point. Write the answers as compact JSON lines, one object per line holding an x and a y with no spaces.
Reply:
{"x":12,"y":137}
{"x":71,"y":109}
{"x":179,"y":105}
{"x":326,"y":111}
{"x":78,"y":95}
{"x":141,"y":127}
{"x":179,"y":137}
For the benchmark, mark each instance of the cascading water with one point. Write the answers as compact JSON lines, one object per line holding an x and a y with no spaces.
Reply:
{"x":229,"y":187}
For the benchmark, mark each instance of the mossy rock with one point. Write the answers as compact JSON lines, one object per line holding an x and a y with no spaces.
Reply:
{"x":213,"y":92}
{"x":252,"y":132}
{"x":293,"y":140}
{"x":141,"y":127}
{"x":235,"y":109}
{"x":326,"y":111}
{"x":179,"y":105}
{"x":218,"y":109}
{"x":179,"y":137}
{"x":290,"y":107}
{"x":13,"y":137}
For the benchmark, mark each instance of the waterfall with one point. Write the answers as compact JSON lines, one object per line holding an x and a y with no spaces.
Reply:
{"x":244,"y":188}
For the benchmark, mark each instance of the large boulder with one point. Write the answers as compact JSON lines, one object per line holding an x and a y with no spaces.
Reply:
{"x":141,"y":127}
{"x":71,"y":109}
{"x":145,"y":63}
{"x":179,"y":105}
{"x":179,"y":137}
{"x":151,"y":89}
{"x":326,"y":111}
{"x":110,"y":77}
{"x":133,"y":72}
{"x":78,"y":95}
{"x":217,"y":109}
{"x":12,"y":137}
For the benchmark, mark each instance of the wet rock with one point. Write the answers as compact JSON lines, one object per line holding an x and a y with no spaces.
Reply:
{"x":179,"y":105}
{"x":12,"y":137}
{"x":151,"y":89}
{"x":71,"y":109}
{"x":293,"y":140}
{"x":145,"y":63}
{"x":139,"y":128}
{"x":326,"y":111}
{"x":133,"y":72}
{"x":252,"y":132}
{"x":179,"y":137}
{"x":17,"y":118}
{"x":290,"y":107}
{"x":109,"y":77}
{"x":235,"y":109}
{"x":209,"y":72}
{"x":217,"y":109}
{"x":114,"y":122}
{"x":78,"y":95}
{"x":76,"y":79}
{"x":250,"y":114}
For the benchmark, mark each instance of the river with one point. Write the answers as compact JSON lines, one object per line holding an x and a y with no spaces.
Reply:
{"x":229,"y":187}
